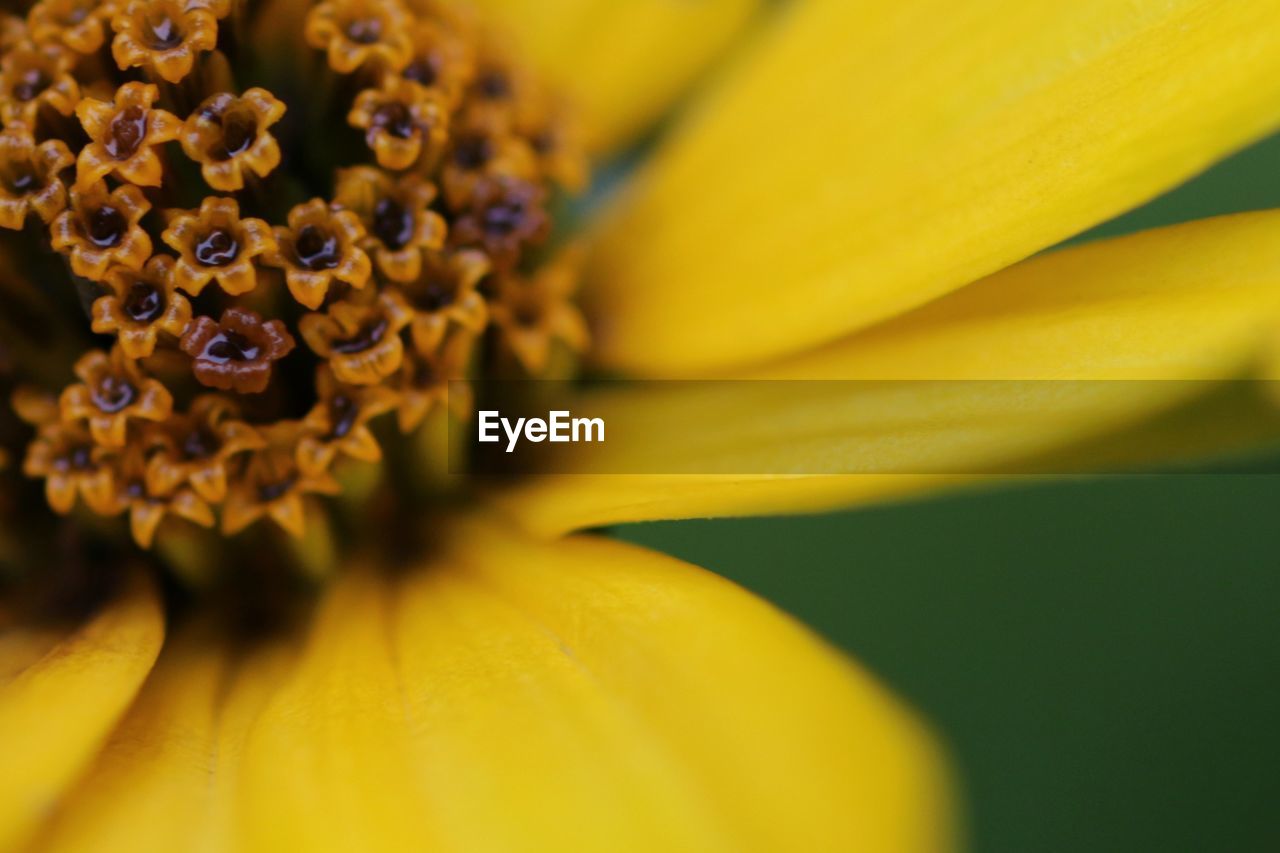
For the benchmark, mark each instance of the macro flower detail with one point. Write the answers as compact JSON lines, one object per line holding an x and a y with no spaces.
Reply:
{"x":307,"y":584}
{"x":358,"y":33}
{"x":361,"y":341}
{"x":140,"y":305}
{"x":80,"y":25}
{"x":534,"y":314}
{"x":319,"y":249}
{"x":228,"y":135}
{"x":273,"y":486}
{"x":433,"y":379}
{"x":29,"y":177}
{"x":438,"y":60}
{"x":200,"y":447}
{"x":402,"y":122}
{"x":482,"y":148}
{"x":102,"y":229}
{"x":67,"y":459}
{"x":163,"y":36}
{"x":124,"y":134}
{"x":237,"y":352}
{"x":504,"y":216}
{"x":445,"y":295}
{"x":113,"y":394}
{"x":148,"y":507}
{"x":338,"y":425}
{"x":391,"y":304}
{"x":395,"y":212}
{"x":35,"y":77}
{"x":216,"y":244}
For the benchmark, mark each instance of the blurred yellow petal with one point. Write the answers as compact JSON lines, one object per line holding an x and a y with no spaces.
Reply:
{"x":622,"y":61}
{"x":867,"y":158}
{"x":1194,"y":302}
{"x":60,"y":697}
{"x":616,"y":699}
{"x":516,"y":695}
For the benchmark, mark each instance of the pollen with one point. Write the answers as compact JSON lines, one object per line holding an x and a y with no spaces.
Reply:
{"x":245,"y":260}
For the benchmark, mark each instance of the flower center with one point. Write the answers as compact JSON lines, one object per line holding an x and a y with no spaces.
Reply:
{"x":392,"y":224}
{"x":30,"y":84}
{"x":107,"y":227}
{"x":74,"y":14}
{"x":316,"y":248}
{"x":269,"y":492}
{"x":200,"y":443}
{"x":162,"y":31}
{"x":473,"y":152}
{"x":343,"y":412}
{"x":364,"y":30}
{"x":113,"y":394}
{"x":79,"y":457}
{"x":504,"y":218}
{"x":269,"y":269}
{"x":369,"y":335}
{"x":395,"y":119}
{"x":227,"y":346}
{"x":127,"y":130}
{"x":217,"y":248}
{"x":423,"y":70}
{"x":434,"y":296}
{"x":21,"y":178}
{"x":239,"y":130}
{"x":144,"y":304}
{"x":494,"y":85}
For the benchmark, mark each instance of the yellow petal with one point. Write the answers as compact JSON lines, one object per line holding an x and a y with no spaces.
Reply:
{"x":56,"y":707}
{"x":514,"y":695}
{"x":867,"y":158}
{"x":168,"y":773}
{"x":1195,"y":302}
{"x":622,"y":61}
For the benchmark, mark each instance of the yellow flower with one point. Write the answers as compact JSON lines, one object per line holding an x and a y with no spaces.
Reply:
{"x":854,"y":196}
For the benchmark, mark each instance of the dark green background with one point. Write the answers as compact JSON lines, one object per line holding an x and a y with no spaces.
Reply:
{"x":1101,"y":657}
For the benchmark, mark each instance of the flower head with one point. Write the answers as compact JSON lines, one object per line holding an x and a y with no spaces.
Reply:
{"x":338,"y":425}
{"x":236,"y":353}
{"x":482,"y":148}
{"x":228,"y":135}
{"x":427,"y":380}
{"x":69,"y":461}
{"x":147,"y":507}
{"x":349,"y":248}
{"x":272,"y":485}
{"x":216,"y":244}
{"x":102,"y":229}
{"x":79,"y":25}
{"x":320,"y":248}
{"x":140,"y":305}
{"x":504,"y":216}
{"x":30,"y":179}
{"x":199,"y":447}
{"x":360,"y":340}
{"x":399,"y":226}
{"x":36,"y":76}
{"x":402,"y":122}
{"x":533,"y":314}
{"x":163,"y":36}
{"x":112,"y":394}
{"x":124,"y":134}
{"x":360,"y":33}
{"x":439,"y":60}
{"x":445,"y":295}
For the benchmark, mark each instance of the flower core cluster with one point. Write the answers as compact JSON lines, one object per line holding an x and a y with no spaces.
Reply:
{"x":250,"y":243}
